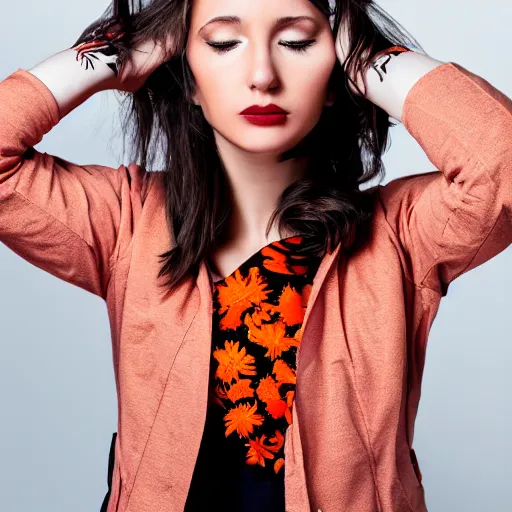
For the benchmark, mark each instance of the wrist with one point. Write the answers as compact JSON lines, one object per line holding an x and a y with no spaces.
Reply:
{"x":390,"y":79}
{"x":69,"y":82}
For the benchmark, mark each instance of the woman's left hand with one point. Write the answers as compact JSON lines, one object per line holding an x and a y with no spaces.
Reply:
{"x":342,"y":45}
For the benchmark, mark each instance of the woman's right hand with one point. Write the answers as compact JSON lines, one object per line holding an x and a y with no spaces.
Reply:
{"x":98,"y":61}
{"x":102,"y":43}
{"x":142,"y":60}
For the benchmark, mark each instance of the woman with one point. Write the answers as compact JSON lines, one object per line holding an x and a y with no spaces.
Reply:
{"x":273,"y":366}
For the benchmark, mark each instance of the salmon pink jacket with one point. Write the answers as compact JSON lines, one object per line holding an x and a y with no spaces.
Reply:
{"x":361,"y":359}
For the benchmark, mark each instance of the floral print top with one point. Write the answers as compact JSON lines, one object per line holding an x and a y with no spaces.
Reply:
{"x":258,"y":312}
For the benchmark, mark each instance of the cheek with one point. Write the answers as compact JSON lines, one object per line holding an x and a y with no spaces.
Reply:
{"x":212,"y":83}
{"x":216,"y":99}
{"x":314,"y":71}
{"x":313,"y":86}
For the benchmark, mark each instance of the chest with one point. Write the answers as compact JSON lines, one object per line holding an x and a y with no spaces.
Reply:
{"x":225,"y":259}
{"x":352,"y":346}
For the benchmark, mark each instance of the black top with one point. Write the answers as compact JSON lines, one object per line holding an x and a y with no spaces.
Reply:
{"x":257,"y":318}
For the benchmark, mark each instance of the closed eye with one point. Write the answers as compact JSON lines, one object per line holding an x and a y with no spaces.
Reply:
{"x":296,"y":46}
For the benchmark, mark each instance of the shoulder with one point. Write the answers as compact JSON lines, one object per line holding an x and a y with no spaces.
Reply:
{"x":404,"y":191}
{"x":142,"y":181}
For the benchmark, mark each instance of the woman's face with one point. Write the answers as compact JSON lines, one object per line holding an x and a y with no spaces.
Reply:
{"x":263,"y":59}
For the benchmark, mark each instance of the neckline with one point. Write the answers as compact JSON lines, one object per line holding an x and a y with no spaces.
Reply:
{"x":252,"y":256}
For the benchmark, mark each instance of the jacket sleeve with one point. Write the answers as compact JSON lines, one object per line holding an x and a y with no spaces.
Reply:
{"x":451,"y":220}
{"x":62,"y":217}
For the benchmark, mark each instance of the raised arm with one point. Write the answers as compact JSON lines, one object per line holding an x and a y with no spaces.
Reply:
{"x":60,"y":216}
{"x":452,"y":220}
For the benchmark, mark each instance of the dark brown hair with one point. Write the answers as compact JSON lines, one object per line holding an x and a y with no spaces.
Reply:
{"x":345,"y":147}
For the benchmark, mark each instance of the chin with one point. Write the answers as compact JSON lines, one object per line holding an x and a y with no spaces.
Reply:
{"x":271,"y":144}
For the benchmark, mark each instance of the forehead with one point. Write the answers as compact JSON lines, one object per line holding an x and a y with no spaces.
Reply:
{"x":249,"y":10}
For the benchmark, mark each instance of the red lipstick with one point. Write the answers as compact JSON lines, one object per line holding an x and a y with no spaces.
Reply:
{"x":268,"y":115}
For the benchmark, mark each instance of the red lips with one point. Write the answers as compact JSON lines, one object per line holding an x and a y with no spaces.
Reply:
{"x":268,"y":109}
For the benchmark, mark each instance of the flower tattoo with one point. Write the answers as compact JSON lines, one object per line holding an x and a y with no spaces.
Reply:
{"x":98,"y":43}
{"x":381,"y":59}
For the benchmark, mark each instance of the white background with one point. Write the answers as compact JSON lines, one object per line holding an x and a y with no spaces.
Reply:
{"x":57,"y":390}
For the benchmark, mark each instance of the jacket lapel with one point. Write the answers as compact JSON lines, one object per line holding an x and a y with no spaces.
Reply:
{"x":174,"y":429}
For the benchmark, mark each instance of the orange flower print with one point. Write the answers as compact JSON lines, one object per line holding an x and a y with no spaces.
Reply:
{"x":291,"y":240}
{"x":289,"y":403}
{"x":238,"y":294}
{"x":262,"y":312}
{"x":220,"y":391}
{"x":278,"y":464}
{"x":259,"y":451}
{"x":242,"y":418}
{"x":284,"y":374}
{"x":305,"y":294}
{"x":276,"y":408}
{"x":281,"y":263}
{"x":232,"y":362}
{"x":240,"y":389}
{"x":271,"y":336}
{"x":268,"y":390}
{"x":258,"y":315}
{"x":214,"y":396}
{"x":290,"y":306}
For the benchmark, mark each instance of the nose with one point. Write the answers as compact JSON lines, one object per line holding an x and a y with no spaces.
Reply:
{"x":262,"y":69}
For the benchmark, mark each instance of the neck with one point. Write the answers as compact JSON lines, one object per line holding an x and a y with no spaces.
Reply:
{"x":256,"y":183}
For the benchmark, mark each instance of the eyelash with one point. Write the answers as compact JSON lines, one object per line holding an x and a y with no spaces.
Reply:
{"x":296,"y":46}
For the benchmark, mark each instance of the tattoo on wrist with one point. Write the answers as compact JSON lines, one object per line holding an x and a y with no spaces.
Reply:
{"x":381,"y":59}
{"x":99,"y":44}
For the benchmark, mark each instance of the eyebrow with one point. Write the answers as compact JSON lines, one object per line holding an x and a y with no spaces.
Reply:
{"x":279,"y":23}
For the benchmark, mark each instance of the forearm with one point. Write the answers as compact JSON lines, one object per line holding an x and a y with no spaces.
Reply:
{"x":391,"y":78}
{"x":70,"y":82}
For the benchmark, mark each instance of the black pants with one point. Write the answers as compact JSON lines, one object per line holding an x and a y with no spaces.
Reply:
{"x":110,"y":471}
